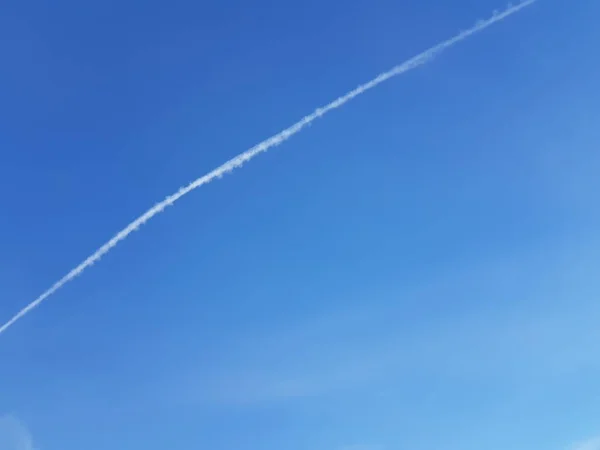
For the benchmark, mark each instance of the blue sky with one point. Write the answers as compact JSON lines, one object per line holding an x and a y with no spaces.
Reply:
{"x":416,"y":270}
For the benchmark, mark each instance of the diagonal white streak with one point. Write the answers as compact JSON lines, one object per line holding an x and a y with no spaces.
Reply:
{"x":265,"y":145}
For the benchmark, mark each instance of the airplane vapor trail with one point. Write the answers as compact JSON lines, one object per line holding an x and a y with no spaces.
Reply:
{"x":265,"y":145}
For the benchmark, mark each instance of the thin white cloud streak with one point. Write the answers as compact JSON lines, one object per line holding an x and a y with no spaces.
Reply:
{"x":265,"y":145}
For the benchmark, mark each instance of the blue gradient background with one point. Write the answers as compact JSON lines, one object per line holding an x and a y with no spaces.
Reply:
{"x":417,"y":270}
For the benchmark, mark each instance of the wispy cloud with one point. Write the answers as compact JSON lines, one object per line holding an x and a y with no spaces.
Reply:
{"x":14,"y":435}
{"x":533,"y":319}
{"x":589,"y":444}
{"x":502,"y":353}
{"x":262,"y":147}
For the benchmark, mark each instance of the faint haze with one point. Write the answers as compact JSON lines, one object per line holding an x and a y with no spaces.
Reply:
{"x":14,"y":435}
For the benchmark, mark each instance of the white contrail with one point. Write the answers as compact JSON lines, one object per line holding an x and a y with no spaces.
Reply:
{"x":265,"y":145}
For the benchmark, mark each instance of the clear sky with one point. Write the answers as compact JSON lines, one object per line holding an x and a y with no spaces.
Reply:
{"x":417,"y":270}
